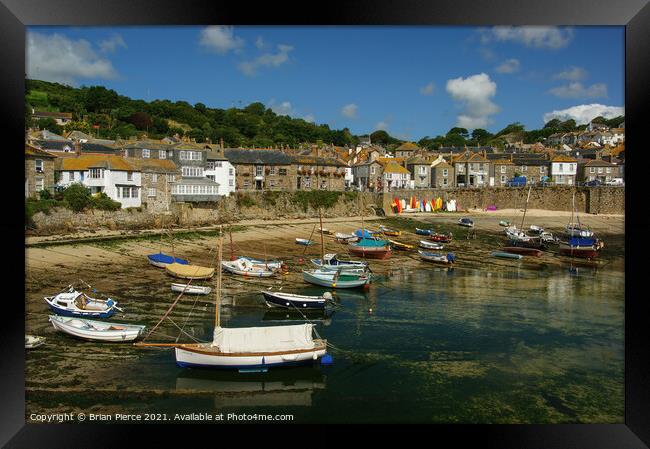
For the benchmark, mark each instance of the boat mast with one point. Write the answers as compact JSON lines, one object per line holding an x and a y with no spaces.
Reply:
{"x":525,"y":208}
{"x":217,"y":318}
{"x":322,"y":244}
{"x":232,"y":251}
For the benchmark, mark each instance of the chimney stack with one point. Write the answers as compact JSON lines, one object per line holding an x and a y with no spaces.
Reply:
{"x":221,"y":142}
{"x":77,"y":147}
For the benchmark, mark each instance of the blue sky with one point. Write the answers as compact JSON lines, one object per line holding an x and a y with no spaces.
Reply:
{"x":410,"y":81}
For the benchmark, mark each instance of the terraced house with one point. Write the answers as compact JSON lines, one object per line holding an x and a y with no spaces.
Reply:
{"x":563,"y":170}
{"x":395,"y":176}
{"x":106,"y":173}
{"x":262,"y":169}
{"x":502,"y":170}
{"x":535,"y":167}
{"x":471,"y":169}
{"x":158,"y":176}
{"x":39,"y":171}
{"x":442,"y":173}
{"x":420,"y":169}
{"x":319,"y":173}
{"x":598,"y":170}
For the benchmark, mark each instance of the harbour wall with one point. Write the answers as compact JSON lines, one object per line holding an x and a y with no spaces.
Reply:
{"x":232,"y":209}
{"x":590,"y":200}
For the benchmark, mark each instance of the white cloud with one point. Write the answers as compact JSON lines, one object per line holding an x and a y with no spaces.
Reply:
{"x":531,"y":36}
{"x":584,"y":113}
{"x":283,"y":108}
{"x":249,"y":68}
{"x":577,"y":90}
{"x":56,"y":58}
{"x":383,"y":125}
{"x":428,"y":89}
{"x":221,"y":39}
{"x":350,"y":110}
{"x":573,"y":73}
{"x":309,"y":118}
{"x":508,"y":66}
{"x":259,"y":43}
{"x":110,"y":45}
{"x":474,"y":93}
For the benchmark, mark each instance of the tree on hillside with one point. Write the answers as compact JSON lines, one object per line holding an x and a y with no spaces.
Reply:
{"x":458,"y":131}
{"x":511,"y":128}
{"x":50,"y":125}
{"x":553,"y":124}
{"x":100,"y":99}
{"x":141,"y":120}
{"x":481,"y":136}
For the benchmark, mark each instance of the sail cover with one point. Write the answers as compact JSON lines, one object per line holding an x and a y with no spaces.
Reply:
{"x":263,"y":339}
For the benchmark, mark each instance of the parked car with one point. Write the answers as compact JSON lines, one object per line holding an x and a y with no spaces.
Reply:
{"x":593,"y":183}
{"x":615,"y":182}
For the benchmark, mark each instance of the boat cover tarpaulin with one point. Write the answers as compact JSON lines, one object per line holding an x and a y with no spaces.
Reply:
{"x":164,"y":258}
{"x":365,"y":233}
{"x":577,"y":241}
{"x":263,"y":339}
{"x":189,"y":271}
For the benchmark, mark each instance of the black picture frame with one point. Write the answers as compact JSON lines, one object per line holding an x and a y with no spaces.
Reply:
{"x":633,"y":14}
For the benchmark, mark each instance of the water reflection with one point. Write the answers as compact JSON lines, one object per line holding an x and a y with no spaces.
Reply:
{"x":279,"y":388}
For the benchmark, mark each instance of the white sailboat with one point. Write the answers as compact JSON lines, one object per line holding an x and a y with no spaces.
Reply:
{"x":249,"y":348}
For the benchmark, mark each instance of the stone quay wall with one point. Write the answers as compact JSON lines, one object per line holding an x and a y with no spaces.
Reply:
{"x":592,"y":200}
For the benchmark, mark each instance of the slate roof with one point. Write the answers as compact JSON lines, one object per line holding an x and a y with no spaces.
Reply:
{"x":31,"y":151}
{"x":55,"y":145}
{"x":86,"y":161}
{"x":312,"y":160}
{"x":562,"y":158}
{"x":153,"y":165}
{"x":394,"y":167}
{"x":265,"y":157}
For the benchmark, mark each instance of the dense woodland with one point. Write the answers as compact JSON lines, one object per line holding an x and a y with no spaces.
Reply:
{"x":106,"y":114}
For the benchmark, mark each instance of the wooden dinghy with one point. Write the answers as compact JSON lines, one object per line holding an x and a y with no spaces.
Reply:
{"x":446,"y":259}
{"x":305,"y":242}
{"x":292,"y":301}
{"x":189,"y":271}
{"x":506,"y":255}
{"x":345,"y":238}
{"x":336,"y":279}
{"x":523,"y":250}
{"x":389,"y":232}
{"x":440,"y":238}
{"x":96,"y":330}
{"x":430,"y":245}
{"x":419,"y":231}
{"x":33,"y":341}
{"x":161,"y":260}
{"x":77,"y":304}
{"x":243,"y":267}
{"x":505,"y":223}
{"x":399,"y":245}
{"x":191,"y":289}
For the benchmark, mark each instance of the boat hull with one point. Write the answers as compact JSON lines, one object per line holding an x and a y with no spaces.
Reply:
{"x":296,"y":302}
{"x":121,"y":333}
{"x":588,"y":252}
{"x":522,"y":250}
{"x":506,"y":255}
{"x":247,"y":273}
{"x":191,"y":290}
{"x":328,"y":281}
{"x":423,"y":231}
{"x":370,"y":252}
{"x":430,"y":245}
{"x":199,"y":356}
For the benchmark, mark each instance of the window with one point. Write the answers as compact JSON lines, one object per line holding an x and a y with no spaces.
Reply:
{"x":307,"y":181}
{"x":162,"y":154}
{"x":231,"y":182}
{"x":231,"y":172}
{"x":445,"y":181}
{"x":170,"y":177}
{"x":600,"y":170}
{"x":192,"y":172}
{"x":372,"y":170}
{"x":191,"y":155}
{"x":445,"y":172}
{"x":129,"y":176}
{"x":271,"y":170}
{"x":145,"y":153}
{"x":210,"y":177}
{"x":152,"y":192}
{"x":39,"y":184}
{"x":38,"y":163}
{"x":282,"y":172}
{"x":259,"y":170}
{"x":154,"y":177}
{"x":609,"y":169}
{"x":461,"y":168}
{"x":592,"y":169}
{"x":423,"y":170}
{"x":561,"y":167}
{"x":524,"y":168}
{"x":95,"y":173}
{"x":127,"y":192}
{"x":472,"y":167}
{"x":218,"y":164}
{"x":503,"y":179}
{"x":126,"y":153}
{"x":541,"y":170}
{"x":503,"y":169}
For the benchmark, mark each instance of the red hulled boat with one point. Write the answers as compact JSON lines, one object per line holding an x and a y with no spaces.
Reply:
{"x":525,"y":251}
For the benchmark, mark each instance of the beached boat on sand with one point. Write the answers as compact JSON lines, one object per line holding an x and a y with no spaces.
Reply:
{"x":419,"y":231}
{"x":441,"y":238}
{"x":430,"y":245}
{"x":389,"y":232}
{"x":448,"y":258}
{"x":345,"y":238}
{"x":467,"y":222}
{"x":244,"y":267}
{"x":189,"y":271}
{"x":191,"y":289}
{"x":523,"y":250}
{"x":305,"y":242}
{"x":33,"y":341}
{"x":96,"y":330}
{"x":371,"y":249}
{"x":161,"y":260}
{"x":78,"y":304}
{"x":333,"y":263}
{"x":506,"y":255}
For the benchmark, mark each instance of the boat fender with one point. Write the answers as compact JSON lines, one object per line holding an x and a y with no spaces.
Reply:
{"x":327,"y":359}
{"x":327,"y":296}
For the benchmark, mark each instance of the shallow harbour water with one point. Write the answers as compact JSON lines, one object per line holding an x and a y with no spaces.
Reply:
{"x":425,"y":345}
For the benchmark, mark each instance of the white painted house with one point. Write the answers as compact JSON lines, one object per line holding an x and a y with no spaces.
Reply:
{"x":219,"y":170}
{"x":105,"y":173}
{"x":563,"y":170}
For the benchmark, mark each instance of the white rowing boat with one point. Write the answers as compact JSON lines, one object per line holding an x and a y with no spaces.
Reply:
{"x":96,"y":330}
{"x":191,"y":289}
